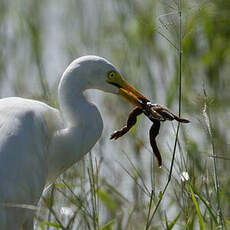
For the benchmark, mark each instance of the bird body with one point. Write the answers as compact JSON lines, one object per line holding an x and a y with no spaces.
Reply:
{"x":23,"y":153}
{"x":38,"y":142}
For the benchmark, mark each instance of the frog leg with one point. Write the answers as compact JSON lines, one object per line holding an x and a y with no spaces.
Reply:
{"x":153,"y":132}
{"x":132,"y":119}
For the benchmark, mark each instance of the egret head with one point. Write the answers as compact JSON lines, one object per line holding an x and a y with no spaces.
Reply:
{"x":93,"y":72}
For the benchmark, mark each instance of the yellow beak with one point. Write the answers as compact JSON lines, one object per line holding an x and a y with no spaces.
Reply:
{"x":131,"y":94}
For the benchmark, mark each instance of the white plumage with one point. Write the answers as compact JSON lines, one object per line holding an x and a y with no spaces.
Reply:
{"x":38,"y":142}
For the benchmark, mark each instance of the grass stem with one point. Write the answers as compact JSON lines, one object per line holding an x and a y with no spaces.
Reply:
{"x":220,"y":219}
{"x":178,"y":125}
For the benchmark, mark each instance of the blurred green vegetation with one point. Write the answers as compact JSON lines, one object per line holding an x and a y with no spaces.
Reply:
{"x":114,"y":187}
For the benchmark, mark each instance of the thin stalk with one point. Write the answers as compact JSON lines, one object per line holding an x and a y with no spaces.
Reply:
{"x":168,"y":181}
{"x":78,"y":201}
{"x":53,"y":213}
{"x":94,"y":188}
{"x":217,"y":186}
{"x":166,"y":38}
{"x":139,"y":175}
{"x":134,"y":179}
{"x":150,"y":205}
{"x":51,"y":204}
{"x":180,"y":55}
{"x":214,"y":154}
{"x":178,"y":125}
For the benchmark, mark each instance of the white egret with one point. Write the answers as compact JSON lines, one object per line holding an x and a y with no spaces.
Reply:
{"x":38,"y":142}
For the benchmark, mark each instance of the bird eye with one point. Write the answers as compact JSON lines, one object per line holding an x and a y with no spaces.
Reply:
{"x":111,"y":75}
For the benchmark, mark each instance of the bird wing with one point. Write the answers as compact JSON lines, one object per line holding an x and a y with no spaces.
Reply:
{"x":25,"y":130}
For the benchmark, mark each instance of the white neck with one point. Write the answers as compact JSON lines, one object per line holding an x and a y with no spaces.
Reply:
{"x":83,"y":127}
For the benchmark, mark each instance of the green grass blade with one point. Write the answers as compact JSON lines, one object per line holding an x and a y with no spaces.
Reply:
{"x":172,"y":224}
{"x":208,"y":207}
{"x":107,"y":199}
{"x":107,"y":225}
{"x":201,"y":220}
{"x":51,"y":224}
